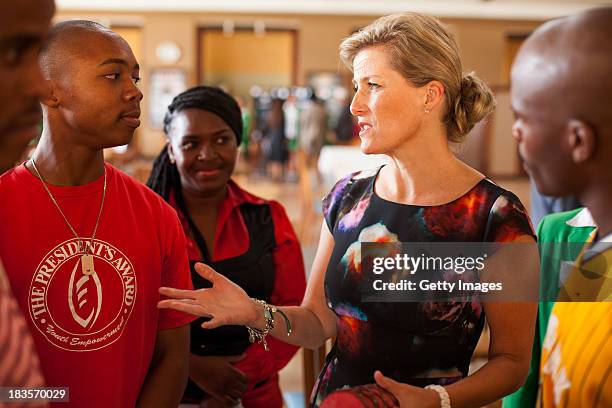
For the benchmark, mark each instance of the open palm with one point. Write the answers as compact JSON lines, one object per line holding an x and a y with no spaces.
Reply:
{"x":225,"y":303}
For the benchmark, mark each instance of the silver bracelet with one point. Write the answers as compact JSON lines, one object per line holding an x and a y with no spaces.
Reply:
{"x":259,"y":336}
{"x":442,"y":393}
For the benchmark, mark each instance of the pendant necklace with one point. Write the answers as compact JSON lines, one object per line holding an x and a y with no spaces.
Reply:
{"x":87,"y":259}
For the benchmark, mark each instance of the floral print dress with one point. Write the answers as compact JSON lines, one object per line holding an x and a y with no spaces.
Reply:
{"x":410,"y":342}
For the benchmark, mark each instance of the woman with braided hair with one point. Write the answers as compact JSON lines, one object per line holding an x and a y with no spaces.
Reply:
{"x":246,"y":238}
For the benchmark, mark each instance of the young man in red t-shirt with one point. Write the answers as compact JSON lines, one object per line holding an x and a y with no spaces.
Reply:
{"x":85,"y":246}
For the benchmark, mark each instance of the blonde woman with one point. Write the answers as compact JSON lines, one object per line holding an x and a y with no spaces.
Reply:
{"x":411,"y":100}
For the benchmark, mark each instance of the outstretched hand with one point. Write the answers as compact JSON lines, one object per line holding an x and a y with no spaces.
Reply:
{"x":225,"y":303}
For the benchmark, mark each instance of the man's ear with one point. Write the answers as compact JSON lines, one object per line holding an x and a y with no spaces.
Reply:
{"x":50,"y":98}
{"x":582,"y":140}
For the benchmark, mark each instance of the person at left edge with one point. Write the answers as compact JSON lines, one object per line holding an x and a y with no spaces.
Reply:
{"x":87,"y":247}
{"x":23,"y":30}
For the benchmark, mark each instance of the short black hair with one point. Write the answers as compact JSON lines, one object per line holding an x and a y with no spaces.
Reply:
{"x":52,"y":55}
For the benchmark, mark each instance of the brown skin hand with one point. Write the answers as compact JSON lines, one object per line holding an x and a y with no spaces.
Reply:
{"x":226,"y":385}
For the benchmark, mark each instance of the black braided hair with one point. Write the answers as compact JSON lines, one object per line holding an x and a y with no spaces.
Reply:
{"x":164,"y":178}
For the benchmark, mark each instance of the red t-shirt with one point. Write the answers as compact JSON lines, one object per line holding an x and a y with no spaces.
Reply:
{"x":93,"y":333}
{"x":231,"y":240}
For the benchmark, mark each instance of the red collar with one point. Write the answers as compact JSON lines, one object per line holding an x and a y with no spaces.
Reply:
{"x":229,"y":222}
{"x":236,"y":196}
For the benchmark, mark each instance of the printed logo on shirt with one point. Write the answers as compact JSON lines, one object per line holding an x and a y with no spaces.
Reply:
{"x":78,"y":311}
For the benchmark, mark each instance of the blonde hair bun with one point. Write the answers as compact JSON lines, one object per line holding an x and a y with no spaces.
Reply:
{"x":474,"y":103}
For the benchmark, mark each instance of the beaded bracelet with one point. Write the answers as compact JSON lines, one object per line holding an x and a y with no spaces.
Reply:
{"x":444,"y":398}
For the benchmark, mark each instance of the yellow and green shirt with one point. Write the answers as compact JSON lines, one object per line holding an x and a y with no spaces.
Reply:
{"x":576,"y":366}
{"x":572,"y":227}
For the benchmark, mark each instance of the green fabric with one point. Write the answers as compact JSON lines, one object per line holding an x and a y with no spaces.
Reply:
{"x":292,"y":144}
{"x":552,"y":228}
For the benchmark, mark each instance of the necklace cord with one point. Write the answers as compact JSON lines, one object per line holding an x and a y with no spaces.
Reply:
{"x":88,"y":249}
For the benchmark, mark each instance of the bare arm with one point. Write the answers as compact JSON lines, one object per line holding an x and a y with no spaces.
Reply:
{"x":312,"y":322}
{"x":512,"y":327}
{"x":167,"y":376}
{"x":512,"y":330}
{"x":226,"y":303}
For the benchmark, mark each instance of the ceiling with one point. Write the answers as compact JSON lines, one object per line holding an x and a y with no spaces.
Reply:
{"x":489,"y":9}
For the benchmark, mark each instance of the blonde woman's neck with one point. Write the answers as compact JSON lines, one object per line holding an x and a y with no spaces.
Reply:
{"x":429,"y":174}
